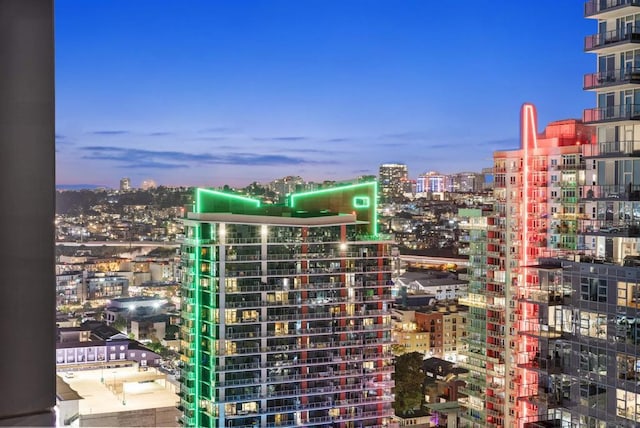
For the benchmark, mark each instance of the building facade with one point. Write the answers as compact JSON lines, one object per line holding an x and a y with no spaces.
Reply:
{"x":125,"y":184}
{"x":585,"y":301}
{"x":536,"y":213}
{"x":393,"y":179}
{"x":286,"y":317}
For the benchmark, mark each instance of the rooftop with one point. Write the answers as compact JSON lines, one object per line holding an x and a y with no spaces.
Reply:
{"x":142,"y":390}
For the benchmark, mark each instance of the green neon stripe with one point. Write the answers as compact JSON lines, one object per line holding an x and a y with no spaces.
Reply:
{"x":200,"y":191}
{"x":374,"y":229}
{"x":373,"y":207}
{"x":197,"y":329}
{"x":292,"y":196}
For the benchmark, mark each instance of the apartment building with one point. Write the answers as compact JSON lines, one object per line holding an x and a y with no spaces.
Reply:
{"x":536,"y":211}
{"x":585,"y":302}
{"x":286,"y":311}
{"x":394,"y":181}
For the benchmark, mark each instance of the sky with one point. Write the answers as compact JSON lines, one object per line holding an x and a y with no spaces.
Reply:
{"x":208,"y":92}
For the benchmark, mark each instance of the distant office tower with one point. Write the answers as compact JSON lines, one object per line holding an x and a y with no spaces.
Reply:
{"x":148,"y":184}
{"x":393,"y":179}
{"x":285,"y":311}
{"x":125,"y":184}
{"x":535,"y":214}
{"x":466,"y":182}
{"x":430,"y":182}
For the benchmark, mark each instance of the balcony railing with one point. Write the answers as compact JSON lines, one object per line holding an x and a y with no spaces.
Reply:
{"x":612,"y":113}
{"x":612,"y":148}
{"x":630,"y":192}
{"x":611,"y":78}
{"x":623,"y":228}
{"x":594,"y":7}
{"x":613,"y":37}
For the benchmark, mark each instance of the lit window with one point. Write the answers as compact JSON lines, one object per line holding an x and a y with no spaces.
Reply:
{"x":361,"y":202}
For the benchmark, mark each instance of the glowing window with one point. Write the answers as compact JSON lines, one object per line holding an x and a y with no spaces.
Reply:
{"x":361,"y":202}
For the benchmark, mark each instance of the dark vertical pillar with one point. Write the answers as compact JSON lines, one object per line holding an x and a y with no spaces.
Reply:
{"x":27,"y":205}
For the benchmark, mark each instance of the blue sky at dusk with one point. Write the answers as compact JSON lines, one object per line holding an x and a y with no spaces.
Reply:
{"x":206,"y":92}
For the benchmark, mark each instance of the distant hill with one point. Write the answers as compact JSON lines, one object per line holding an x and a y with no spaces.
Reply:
{"x":78,"y":186}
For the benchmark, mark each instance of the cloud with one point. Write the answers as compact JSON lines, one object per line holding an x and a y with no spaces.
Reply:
{"x":152,"y":165}
{"x":395,"y":144}
{"x":209,"y":138}
{"x":61,"y":141}
{"x":338,"y":140}
{"x":286,"y":138}
{"x":110,"y":132}
{"x":216,"y":129}
{"x":304,"y":150}
{"x":159,"y":134}
{"x":440,"y":145}
{"x":137,"y":158}
{"x":407,"y":135}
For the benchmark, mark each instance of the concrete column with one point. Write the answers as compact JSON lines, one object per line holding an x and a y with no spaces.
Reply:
{"x":27,"y":201}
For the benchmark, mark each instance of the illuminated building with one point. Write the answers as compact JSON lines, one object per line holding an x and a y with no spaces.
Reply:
{"x":125,"y":184}
{"x":587,"y":323}
{"x":393,"y":179}
{"x":536,"y":210}
{"x":285,"y":311}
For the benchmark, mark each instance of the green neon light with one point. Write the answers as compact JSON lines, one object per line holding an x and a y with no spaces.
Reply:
{"x":292,"y":196}
{"x":361,"y":202}
{"x":200,"y":191}
{"x":373,"y":207}
{"x":198,"y":333}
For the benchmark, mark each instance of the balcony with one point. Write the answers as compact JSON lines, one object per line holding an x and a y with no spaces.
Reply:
{"x":628,"y":228}
{"x":630,"y":34}
{"x":598,"y":8}
{"x":609,"y":78}
{"x":617,"y":192}
{"x":611,"y":113}
{"x":612,"y":149}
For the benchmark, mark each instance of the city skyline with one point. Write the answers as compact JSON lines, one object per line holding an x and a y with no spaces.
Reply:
{"x":223,"y":93}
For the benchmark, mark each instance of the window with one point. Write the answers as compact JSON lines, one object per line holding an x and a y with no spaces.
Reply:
{"x":361,"y":202}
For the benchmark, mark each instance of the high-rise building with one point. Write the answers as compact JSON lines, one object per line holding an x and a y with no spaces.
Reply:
{"x":536,"y":210}
{"x":125,"y":184}
{"x":393,"y":179}
{"x":285,"y":311}
{"x":431,"y":182}
{"x":583,"y":306}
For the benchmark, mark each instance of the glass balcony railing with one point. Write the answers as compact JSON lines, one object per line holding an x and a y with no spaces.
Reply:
{"x":611,"y":113}
{"x":612,"y":148}
{"x":629,"y":192}
{"x":595,"y":7}
{"x":630,"y":34}
{"x":611,"y":78}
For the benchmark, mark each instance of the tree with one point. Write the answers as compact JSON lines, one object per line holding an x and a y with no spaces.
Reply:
{"x":409,"y":378}
{"x":397,"y":349}
{"x":120,"y":323}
